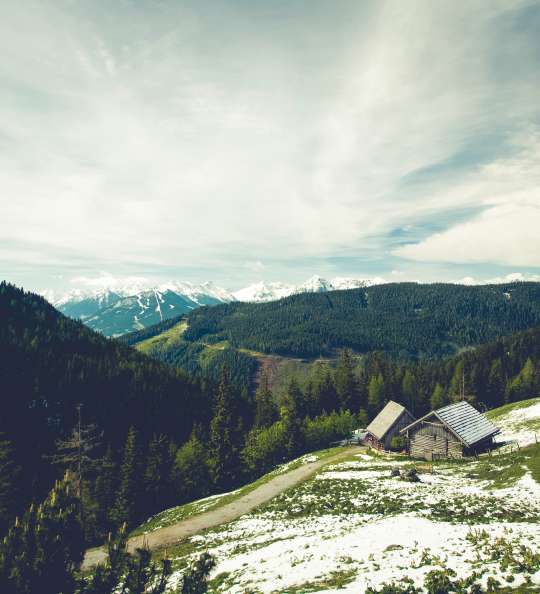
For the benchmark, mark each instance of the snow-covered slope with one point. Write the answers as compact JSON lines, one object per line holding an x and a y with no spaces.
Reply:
{"x":519,"y":422}
{"x":355,"y":525}
{"x":133,"y":307}
{"x":261,"y":292}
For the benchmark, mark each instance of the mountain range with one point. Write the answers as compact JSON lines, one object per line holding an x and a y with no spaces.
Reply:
{"x":135,"y":306}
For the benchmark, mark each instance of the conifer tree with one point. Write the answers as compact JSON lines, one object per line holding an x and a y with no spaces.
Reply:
{"x":409,"y":390}
{"x":437,"y":398}
{"x":225,"y":437}
{"x":291,"y":418}
{"x":310,"y":400}
{"x":194,"y":579}
{"x":9,"y":482}
{"x":74,"y":454}
{"x":375,"y":394}
{"x":326,"y":392}
{"x":104,"y":493}
{"x":457,"y":388}
{"x":157,"y":475}
{"x":496,"y":387}
{"x":41,"y":552}
{"x":345,"y":382}
{"x":362,"y":418}
{"x":126,"y":506}
{"x":191,"y":475}
{"x":265,"y":408}
{"x":362,"y":390}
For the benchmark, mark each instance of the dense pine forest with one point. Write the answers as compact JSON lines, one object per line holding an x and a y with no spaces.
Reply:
{"x":51,"y":365}
{"x":406,"y":320}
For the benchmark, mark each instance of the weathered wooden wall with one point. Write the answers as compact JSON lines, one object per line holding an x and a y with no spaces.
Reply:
{"x":428,"y":440}
{"x":404,"y":420}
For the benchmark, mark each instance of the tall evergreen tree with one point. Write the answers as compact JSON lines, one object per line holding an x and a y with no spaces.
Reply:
{"x":225,"y":436}
{"x":266,"y":412}
{"x":409,"y":390}
{"x":126,"y":507}
{"x":375,"y":394}
{"x":496,"y":382}
{"x":457,"y":383}
{"x":191,"y":474}
{"x":157,"y":475}
{"x":104,"y":493}
{"x":310,"y":400}
{"x":9,"y":482}
{"x":75,"y":454}
{"x":345,"y":382}
{"x":326,"y":392}
{"x":437,"y":398}
{"x":292,"y":420}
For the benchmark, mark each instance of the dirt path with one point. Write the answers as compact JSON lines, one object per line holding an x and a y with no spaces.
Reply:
{"x":165,"y":537}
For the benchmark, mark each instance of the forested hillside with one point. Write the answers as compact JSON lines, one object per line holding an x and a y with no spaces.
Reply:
{"x":506,"y":370}
{"x":406,"y":320}
{"x":150,"y":435}
{"x":49,"y":364}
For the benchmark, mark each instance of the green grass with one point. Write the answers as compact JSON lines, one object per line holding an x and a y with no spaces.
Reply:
{"x":335,"y":580}
{"x":182,"y":512}
{"x":344,"y":496}
{"x":504,"y":470}
{"x":166,"y":339}
{"x":497,"y":413}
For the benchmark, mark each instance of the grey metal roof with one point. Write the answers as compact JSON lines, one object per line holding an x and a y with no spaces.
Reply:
{"x":385,"y":419}
{"x":466,"y":422}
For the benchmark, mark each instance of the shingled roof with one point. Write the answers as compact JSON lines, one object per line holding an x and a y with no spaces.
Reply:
{"x":383,"y":422}
{"x":467,"y":424}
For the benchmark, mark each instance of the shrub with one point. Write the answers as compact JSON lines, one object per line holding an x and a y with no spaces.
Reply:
{"x":398,"y":443}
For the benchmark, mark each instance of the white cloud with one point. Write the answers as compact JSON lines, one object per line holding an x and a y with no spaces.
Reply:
{"x":507,"y":232}
{"x":209,"y":137}
{"x":512,"y":277}
{"x":105,"y":280}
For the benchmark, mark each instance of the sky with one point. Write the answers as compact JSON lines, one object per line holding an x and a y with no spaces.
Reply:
{"x":241,"y":140}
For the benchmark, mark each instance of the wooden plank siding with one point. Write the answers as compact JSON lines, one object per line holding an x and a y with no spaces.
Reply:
{"x":401,"y":422}
{"x":405,"y":419}
{"x":453,"y":431}
{"x":433,"y":440}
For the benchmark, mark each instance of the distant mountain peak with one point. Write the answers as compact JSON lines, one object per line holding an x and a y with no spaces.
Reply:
{"x":263,"y":292}
{"x":137,"y":303}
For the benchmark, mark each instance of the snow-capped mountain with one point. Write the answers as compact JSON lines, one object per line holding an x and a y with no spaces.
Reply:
{"x":122,"y":308}
{"x":115,"y":311}
{"x":264,"y":292}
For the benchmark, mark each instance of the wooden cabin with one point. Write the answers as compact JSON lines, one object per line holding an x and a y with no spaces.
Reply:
{"x":453,"y":431}
{"x":386,"y":425}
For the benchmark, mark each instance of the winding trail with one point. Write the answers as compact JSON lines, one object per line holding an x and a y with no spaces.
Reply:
{"x":171,"y":535}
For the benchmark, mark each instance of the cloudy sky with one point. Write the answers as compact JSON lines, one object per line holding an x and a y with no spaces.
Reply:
{"x":240,"y":140}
